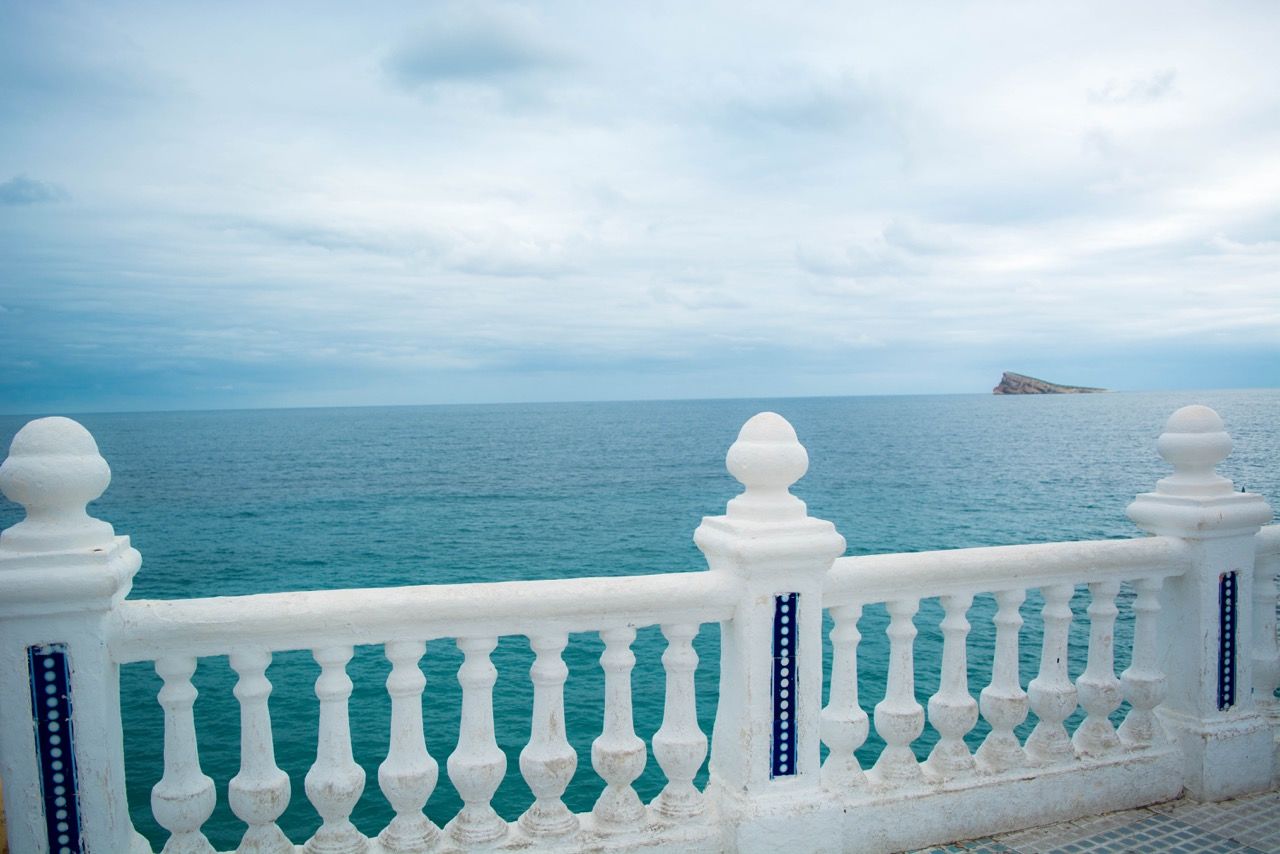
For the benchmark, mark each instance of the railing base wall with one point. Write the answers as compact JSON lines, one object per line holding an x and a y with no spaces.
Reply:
{"x":795,"y":821}
{"x":1221,"y":757}
{"x":655,"y":836}
{"x":908,"y":820}
{"x":865,"y":821}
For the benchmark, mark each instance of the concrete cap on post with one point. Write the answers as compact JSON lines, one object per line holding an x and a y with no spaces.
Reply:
{"x":1194,"y":441}
{"x":1195,"y":500}
{"x":54,"y":470}
{"x":766,"y":528}
{"x":59,"y":558}
{"x":767,"y":459}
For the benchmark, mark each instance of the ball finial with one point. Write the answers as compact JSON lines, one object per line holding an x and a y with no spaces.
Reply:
{"x":767,"y":459}
{"x":54,"y":470}
{"x":1194,"y":441}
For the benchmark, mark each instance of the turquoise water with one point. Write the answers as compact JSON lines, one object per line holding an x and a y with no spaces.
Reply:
{"x":224,"y":503}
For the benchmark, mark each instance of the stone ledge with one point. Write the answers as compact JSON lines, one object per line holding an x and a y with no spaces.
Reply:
{"x":919,"y":818}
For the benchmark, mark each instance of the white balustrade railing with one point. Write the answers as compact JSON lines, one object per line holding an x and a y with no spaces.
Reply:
{"x":250,"y":628}
{"x":1199,"y":684}
{"x":856,"y":582}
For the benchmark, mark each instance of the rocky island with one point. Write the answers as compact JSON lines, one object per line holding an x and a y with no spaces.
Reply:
{"x":1011,"y":383}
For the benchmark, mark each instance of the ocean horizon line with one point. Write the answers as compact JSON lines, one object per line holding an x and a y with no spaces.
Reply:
{"x":73,"y":412}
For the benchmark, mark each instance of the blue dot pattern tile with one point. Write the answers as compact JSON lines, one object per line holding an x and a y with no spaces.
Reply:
{"x":51,"y":711}
{"x":1227,"y":602}
{"x":783,"y":749}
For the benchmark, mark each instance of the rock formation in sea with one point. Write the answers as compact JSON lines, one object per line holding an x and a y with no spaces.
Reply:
{"x":1011,"y":383}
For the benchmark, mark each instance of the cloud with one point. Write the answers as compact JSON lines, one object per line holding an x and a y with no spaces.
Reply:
{"x":309,"y":234}
{"x":1227,"y":246}
{"x":899,"y":249}
{"x":76,"y":66}
{"x":796,"y":99}
{"x":863,"y":259}
{"x":21,"y":190}
{"x":1141,"y":90}
{"x":510,"y":260}
{"x":467,"y":45}
{"x":918,"y":240}
{"x":777,"y":194}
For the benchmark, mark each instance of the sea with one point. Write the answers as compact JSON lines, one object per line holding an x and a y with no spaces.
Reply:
{"x":224,"y":503}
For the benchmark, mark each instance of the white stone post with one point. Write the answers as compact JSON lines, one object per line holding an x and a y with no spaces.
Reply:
{"x":1053,"y":697}
{"x":184,"y":798}
{"x":548,"y":760}
{"x":1206,"y":622}
{"x":1143,"y":683}
{"x":765,"y":746}
{"x":1003,"y":702}
{"x":953,"y":711}
{"x":899,"y":717}
{"x":409,"y":773}
{"x":260,"y":792}
{"x":61,"y":573}
{"x":679,"y":745}
{"x":335,"y":781}
{"x":844,"y":722}
{"x":477,"y":765}
{"x":1098,"y":687}
{"x":1266,"y":649}
{"x":618,"y":754}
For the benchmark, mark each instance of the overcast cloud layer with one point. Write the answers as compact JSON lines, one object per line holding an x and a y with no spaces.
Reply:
{"x":217,"y":205}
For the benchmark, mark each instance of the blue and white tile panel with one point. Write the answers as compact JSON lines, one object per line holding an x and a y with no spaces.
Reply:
{"x":51,"y":711}
{"x":1228,"y":603}
{"x":782,"y":756}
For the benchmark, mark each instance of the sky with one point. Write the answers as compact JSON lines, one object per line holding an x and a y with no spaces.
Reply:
{"x":243,"y":205}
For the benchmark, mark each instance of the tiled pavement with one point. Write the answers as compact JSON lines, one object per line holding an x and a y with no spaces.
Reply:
{"x":1250,"y":825}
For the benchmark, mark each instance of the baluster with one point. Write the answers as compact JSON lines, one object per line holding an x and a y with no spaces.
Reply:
{"x":1053,"y":697}
{"x":184,"y":798}
{"x":1143,"y":682}
{"x":334,"y":782}
{"x":260,"y":791}
{"x":952,"y":711}
{"x":618,"y":754}
{"x":1004,"y":703}
{"x":844,"y":723}
{"x":1266,"y":651}
{"x":679,"y":744}
{"x":408,"y":775}
{"x":547,"y":761}
{"x":899,"y":718}
{"x":1098,"y":686}
{"x":477,"y":765}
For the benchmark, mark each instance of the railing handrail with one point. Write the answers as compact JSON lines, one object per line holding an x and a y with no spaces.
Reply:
{"x":866,"y":579}
{"x":149,"y":628}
